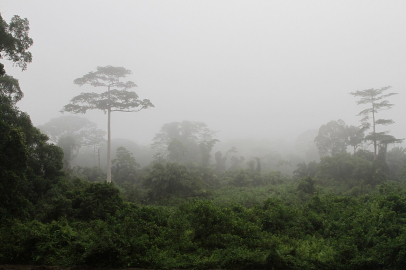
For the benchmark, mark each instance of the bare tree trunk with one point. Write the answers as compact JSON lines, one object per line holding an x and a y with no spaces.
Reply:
{"x":373,"y":125}
{"x":98,"y":155}
{"x":108,"y":140}
{"x":108,"y":148}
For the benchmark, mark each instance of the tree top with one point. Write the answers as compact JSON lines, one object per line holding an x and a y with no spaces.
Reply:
{"x":372,"y":95}
{"x":14,"y":42}
{"x":105,"y":76}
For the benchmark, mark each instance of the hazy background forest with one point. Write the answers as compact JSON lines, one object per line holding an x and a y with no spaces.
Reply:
{"x":263,"y":71}
{"x":258,"y":74}
{"x":243,"y":135}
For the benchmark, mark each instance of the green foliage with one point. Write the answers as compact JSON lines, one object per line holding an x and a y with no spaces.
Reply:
{"x":304,"y":169}
{"x":13,"y":166}
{"x":185,"y":142}
{"x":365,"y":154}
{"x":124,"y":167}
{"x":396,"y":158}
{"x":355,"y":136}
{"x":10,"y":87}
{"x":94,"y":174}
{"x":117,"y":98}
{"x":380,"y":171}
{"x":345,"y":167}
{"x":172,"y":179}
{"x":250,"y":178}
{"x":326,"y":232}
{"x":14,"y":42}
{"x":255,"y":220}
{"x":79,"y":200}
{"x":252,"y":196}
{"x":241,"y":179}
{"x":28,"y":164}
{"x":133,"y":193}
{"x":332,"y":138}
{"x":307,"y":186}
{"x":177,"y":151}
{"x":68,"y":144}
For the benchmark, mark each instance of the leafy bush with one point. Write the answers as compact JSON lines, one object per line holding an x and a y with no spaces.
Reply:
{"x":172,"y":179}
{"x":80,"y":200}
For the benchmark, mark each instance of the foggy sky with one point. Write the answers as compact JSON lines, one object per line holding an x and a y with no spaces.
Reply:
{"x":248,"y":69}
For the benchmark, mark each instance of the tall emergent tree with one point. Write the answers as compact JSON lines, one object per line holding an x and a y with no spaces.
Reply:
{"x":375,"y":98}
{"x":117,"y":98}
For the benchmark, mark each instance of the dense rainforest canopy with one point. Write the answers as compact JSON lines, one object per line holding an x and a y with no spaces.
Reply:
{"x":190,"y":208}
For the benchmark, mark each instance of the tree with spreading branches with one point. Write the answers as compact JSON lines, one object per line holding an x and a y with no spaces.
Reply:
{"x":332,"y":138}
{"x":376,"y":99}
{"x":71,"y":132}
{"x":183,"y":142}
{"x":14,"y":42}
{"x":117,"y":98}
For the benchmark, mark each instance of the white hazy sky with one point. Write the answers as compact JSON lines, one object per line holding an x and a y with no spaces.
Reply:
{"x":248,"y":69}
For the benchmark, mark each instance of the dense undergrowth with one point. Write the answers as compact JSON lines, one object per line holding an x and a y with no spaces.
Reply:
{"x":81,"y":223}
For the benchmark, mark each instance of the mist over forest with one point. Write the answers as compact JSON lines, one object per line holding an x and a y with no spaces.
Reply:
{"x":247,"y":70}
{"x":203,"y":134}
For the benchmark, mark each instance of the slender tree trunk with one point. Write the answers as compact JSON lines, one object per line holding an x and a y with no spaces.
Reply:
{"x":108,"y":148}
{"x":373,"y":126}
{"x":108,"y":141}
{"x":98,"y":155}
